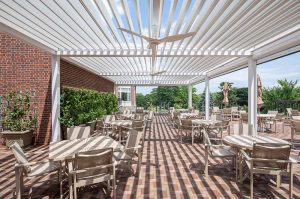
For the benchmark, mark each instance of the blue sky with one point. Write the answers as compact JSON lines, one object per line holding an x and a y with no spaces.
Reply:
{"x":286,"y":67}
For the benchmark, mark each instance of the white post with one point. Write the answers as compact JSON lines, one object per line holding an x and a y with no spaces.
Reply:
{"x":207,"y":98}
{"x":252,"y":97}
{"x":55,"y":88}
{"x":190,"y":96}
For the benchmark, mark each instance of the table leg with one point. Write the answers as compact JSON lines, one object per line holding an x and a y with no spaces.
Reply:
{"x":19,"y":182}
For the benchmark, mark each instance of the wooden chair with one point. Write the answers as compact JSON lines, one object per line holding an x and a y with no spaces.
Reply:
{"x":104,"y":129}
{"x":78,"y":132}
{"x":278,"y":118}
{"x":140,"y":117}
{"x":295,"y":129}
{"x":186,"y":125}
{"x":235,"y":112}
{"x":131,"y":149}
{"x":219,"y":129}
{"x":92,"y":167}
{"x":108,"y":118}
{"x":32,"y":169}
{"x":216,"y":151}
{"x":244,"y":117}
{"x":271,"y":159}
{"x":289,"y":112}
{"x":149,"y":120}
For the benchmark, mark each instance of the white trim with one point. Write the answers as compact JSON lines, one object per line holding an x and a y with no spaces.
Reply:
{"x":55,"y":91}
{"x":207,"y":98}
{"x":252,"y":97}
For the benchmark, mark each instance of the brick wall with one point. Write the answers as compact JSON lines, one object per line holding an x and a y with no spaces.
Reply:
{"x":25,"y":67}
{"x":73,"y":76}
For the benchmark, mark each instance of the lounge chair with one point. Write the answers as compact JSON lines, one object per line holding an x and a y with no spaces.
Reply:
{"x":33,"y":169}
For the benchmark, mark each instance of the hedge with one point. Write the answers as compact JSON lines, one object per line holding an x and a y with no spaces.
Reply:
{"x":79,"y":106}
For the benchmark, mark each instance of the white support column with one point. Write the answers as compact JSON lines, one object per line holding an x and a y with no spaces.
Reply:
{"x":190,"y":96}
{"x":252,"y":97}
{"x":55,"y":88}
{"x":207,"y":98}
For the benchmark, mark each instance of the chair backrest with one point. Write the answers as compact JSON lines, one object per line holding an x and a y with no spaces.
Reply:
{"x":140,"y":117}
{"x":150,"y":115}
{"x":289,"y":111}
{"x":279,"y":116}
{"x":269,"y":151}
{"x":126,"y":112}
{"x":92,"y":125}
{"x":139,"y":111}
{"x":295,"y":113}
{"x":296,"y":125}
{"x":109,"y":118}
{"x":234,"y":109}
{"x":216,"y":108}
{"x":273,"y":112}
{"x":226,"y":111}
{"x":186,"y":124}
{"x":78,"y":132}
{"x":137,"y":125}
{"x":133,"y":140}
{"x":92,"y":159}
{"x":244,"y":117}
{"x":240,"y":129}
{"x":20,"y":155}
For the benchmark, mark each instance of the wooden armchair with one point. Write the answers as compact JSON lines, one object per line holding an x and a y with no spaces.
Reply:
{"x":271,"y":159}
{"x":186,"y":126}
{"x":216,"y":151}
{"x":295,"y":129}
{"x":104,"y":129}
{"x":32,"y":169}
{"x":278,"y":118}
{"x":219,"y":129}
{"x":92,"y":167}
{"x":131,"y":149}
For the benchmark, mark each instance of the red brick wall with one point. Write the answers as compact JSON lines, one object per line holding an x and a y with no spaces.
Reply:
{"x":25,"y":67}
{"x":73,"y":76}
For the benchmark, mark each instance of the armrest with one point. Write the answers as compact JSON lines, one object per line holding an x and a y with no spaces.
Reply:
{"x":271,"y":160}
{"x":37,"y":152}
{"x":33,"y":163}
{"x":243,"y":153}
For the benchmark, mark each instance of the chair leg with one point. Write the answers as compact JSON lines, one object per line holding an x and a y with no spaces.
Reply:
{"x":278,"y":180}
{"x":241,"y":169}
{"x":114,"y":192}
{"x":192,"y":137}
{"x":70,"y":187}
{"x":60,"y":182}
{"x":291,"y":181}
{"x":75,"y":192}
{"x":206,"y":163}
{"x":251,"y":184}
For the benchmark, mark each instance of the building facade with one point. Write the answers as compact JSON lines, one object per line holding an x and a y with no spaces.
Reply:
{"x":24,"y":67}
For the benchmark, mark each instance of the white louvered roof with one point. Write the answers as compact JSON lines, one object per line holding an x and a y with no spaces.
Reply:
{"x":86,"y":32}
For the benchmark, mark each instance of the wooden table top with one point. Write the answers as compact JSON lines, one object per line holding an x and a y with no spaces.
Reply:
{"x":246,"y":141}
{"x":266,"y":115}
{"x":205,"y":122}
{"x":120,"y":123}
{"x":68,"y":148}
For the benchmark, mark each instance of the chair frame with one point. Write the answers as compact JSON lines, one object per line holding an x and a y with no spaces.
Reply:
{"x":250,"y":164}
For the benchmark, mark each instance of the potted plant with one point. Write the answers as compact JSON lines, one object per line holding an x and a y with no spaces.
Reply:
{"x":18,"y":120}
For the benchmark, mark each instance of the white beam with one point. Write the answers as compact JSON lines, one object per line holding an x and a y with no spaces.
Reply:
{"x":252,"y":97}
{"x":207,"y":98}
{"x":147,"y":53}
{"x":190,"y":96}
{"x":55,"y":88}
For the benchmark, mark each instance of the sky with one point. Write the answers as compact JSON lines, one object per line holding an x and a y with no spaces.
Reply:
{"x":285,"y":67}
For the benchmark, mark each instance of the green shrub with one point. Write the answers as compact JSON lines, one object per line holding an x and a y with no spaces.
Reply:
{"x":18,"y":116}
{"x":79,"y":106}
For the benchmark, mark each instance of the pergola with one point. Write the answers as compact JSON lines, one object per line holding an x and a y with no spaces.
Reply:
{"x":230,"y":35}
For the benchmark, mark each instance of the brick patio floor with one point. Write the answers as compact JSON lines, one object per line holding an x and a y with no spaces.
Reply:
{"x":169,"y":170}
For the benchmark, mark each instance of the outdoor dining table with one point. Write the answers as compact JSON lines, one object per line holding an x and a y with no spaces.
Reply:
{"x":296,"y":117}
{"x":119,"y":124}
{"x":262,"y":118}
{"x":66,"y":149}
